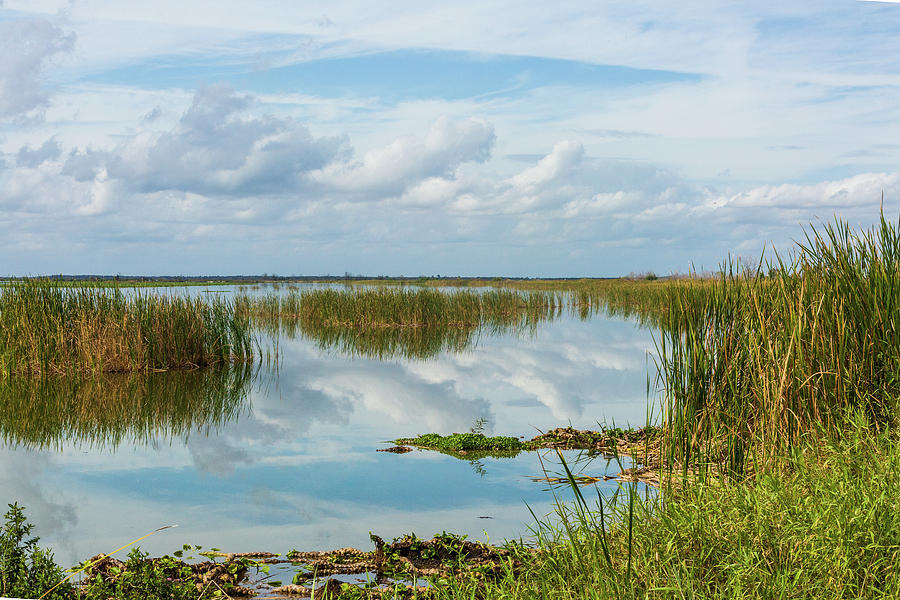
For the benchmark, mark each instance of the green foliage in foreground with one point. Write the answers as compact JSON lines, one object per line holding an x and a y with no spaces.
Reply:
{"x":27,"y":571}
{"x":141,"y":579}
{"x":822,"y":523}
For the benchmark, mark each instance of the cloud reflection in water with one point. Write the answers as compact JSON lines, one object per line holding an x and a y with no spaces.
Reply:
{"x":294,"y":465}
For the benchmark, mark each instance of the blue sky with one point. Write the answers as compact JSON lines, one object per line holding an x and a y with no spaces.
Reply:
{"x":514,"y":138}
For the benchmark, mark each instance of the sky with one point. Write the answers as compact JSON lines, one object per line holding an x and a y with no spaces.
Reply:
{"x":564,"y":139}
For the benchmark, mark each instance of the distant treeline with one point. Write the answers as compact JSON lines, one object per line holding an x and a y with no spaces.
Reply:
{"x":243,"y":279}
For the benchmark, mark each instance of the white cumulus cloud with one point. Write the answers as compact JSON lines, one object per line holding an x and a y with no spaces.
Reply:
{"x":408,"y":160}
{"x":215,"y":148}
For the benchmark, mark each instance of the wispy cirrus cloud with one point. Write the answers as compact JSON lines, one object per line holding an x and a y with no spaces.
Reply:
{"x":27,"y":45}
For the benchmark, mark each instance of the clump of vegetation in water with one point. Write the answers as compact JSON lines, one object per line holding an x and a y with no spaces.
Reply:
{"x":404,"y":307}
{"x":399,"y":564}
{"x":168,"y":577}
{"x":445,"y":553}
{"x":609,"y":440}
{"x":49,"y":330}
{"x":464,"y":442}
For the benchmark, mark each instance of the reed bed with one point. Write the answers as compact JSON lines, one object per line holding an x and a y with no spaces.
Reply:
{"x":49,"y":330}
{"x":404,"y":307}
{"x":755,"y":362}
{"x":638,"y":298}
{"x":386,"y":323}
{"x":106,"y":410}
{"x":421,"y":322}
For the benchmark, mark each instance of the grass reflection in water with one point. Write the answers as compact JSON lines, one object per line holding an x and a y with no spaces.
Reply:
{"x":106,"y":410}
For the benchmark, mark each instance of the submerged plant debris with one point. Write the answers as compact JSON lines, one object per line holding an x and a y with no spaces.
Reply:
{"x":641,"y":442}
{"x":397,"y":569}
{"x":404,"y":568}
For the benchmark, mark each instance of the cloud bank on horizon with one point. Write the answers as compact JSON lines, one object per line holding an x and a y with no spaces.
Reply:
{"x":511,"y":138}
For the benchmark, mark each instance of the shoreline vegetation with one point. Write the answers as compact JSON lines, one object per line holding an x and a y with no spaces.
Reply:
{"x":780,"y":390}
{"x":820,"y":523}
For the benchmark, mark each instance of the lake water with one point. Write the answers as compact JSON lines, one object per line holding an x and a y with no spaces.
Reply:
{"x":285,"y":458}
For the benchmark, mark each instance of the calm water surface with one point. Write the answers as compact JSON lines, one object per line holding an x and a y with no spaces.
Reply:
{"x":286,"y":459}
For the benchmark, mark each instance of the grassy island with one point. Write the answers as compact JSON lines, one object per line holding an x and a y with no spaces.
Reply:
{"x":50,"y":330}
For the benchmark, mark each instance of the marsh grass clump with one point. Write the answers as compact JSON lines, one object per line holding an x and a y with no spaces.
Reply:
{"x":456,"y":443}
{"x":405,"y":307}
{"x":756,"y":361}
{"x":50,"y":330}
{"x":404,"y":322}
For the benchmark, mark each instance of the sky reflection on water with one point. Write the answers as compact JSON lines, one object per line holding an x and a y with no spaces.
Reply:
{"x":297,"y":467}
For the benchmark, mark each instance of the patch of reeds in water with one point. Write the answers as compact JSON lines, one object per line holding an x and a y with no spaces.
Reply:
{"x":107,"y":410}
{"x":421,"y":322}
{"x":406,"y":322}
{"x":631,"y":298}
{"x":754,"y":362}
{"x":627,"y":297}
{"x":49,"y":330}
{"x":405,"y":307}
